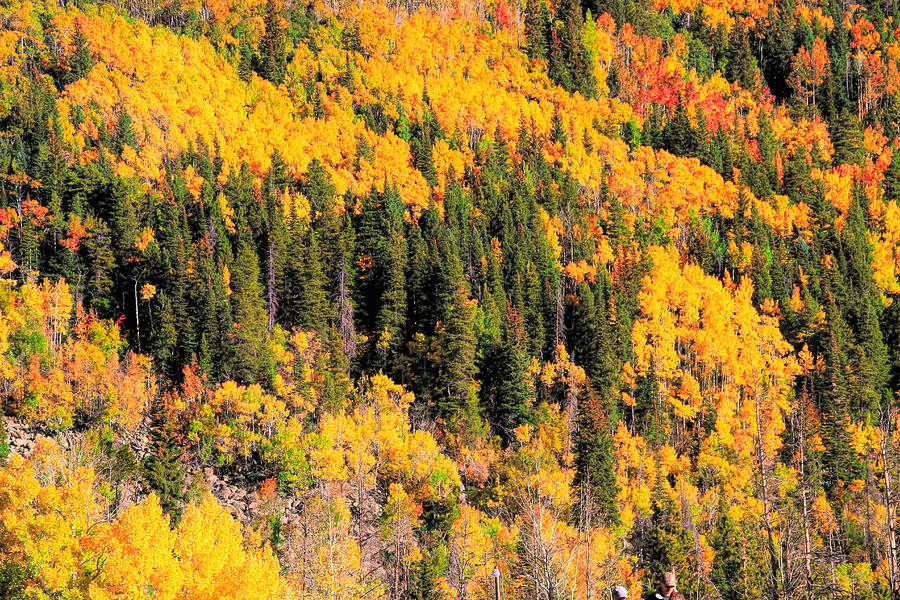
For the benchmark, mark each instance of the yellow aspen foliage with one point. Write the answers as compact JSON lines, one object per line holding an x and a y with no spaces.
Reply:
{"x":398,"y":531}
{"x":709,"y":343}
{"x":539,"y":468}
{"x":202,"y":97}
{"x":326,"y":555}
{"x":53,"y":528}
{"x":48,"y":507}
{"x":215,"y":563}
{"x":139,"y":556}
{"x":377,"y":437}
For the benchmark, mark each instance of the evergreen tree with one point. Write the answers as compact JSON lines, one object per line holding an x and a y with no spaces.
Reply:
{"x":82,"y":60}
{"x":273,"y":46}
{"x":336,"y":386}
{"x":306,"y":304}
{"x":391,"y":318}
{"x":741,"y":67}
{"x":670,"y":546}
{"x":458,"y":403}
{"x":250,"y":353}
{"x":846,"y":135}
{"x":537,"y":20}
{"x":245,"y":61}
{"x":164,"y":471}
{"x":594,"y":461}
{"x":892,"y":177}
{"x":124,"y":132}
{"x":507,"y":392}
{"x":4,"y":440}
{"x":778,"y":48}
{"x":679,"y":136}
{"x":570,"y":63}
{"x":101,"y":265}
{"x":737,"y":569}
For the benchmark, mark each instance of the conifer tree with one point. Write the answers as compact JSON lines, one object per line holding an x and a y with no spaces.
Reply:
{"x":101,"y":264}
{"x":679,"y":136}
{"x":458,"y":403}
{"x":594,"y":462}
{"x":250,"y":353}
{"x":337,"y":385}
{"x":892,"y":177}
{"x":273,"y":46}
{"x":536,"y":24}
{"x":741,"y":67}
{"x":124,"y":132}
{"x":846,"y":135}
{"x":391,"y":317}
{"x":82,"y":59}
{"x":671,"y":546}
{"x":245,"y":60}
{"x":737,"y":569}
{"x":778,"y":48}
{"x":4,"y":441}
{"x":576,"y":55}
{"x":306,"y":302}
{"x":507,"y":392}
{"x":163,"y":470}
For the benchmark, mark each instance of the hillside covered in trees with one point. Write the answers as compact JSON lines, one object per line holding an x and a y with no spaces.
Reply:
{"x":587,"y":290}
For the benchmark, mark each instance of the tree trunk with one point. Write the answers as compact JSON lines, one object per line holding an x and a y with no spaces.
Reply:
{"x":271,"y":299}
{"x":767,"y":519}
{"x":345,"y":314}
{"x":889,"y":505}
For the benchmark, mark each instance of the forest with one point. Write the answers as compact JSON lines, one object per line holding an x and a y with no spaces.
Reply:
{"x":363,"y":299}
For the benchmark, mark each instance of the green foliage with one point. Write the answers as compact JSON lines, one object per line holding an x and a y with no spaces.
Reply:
{"x":4,"y":440}
{"x":272,"y":49}
{"x":249,"y":346}
{"x":164,"y":473}
{"x":82,"y":60}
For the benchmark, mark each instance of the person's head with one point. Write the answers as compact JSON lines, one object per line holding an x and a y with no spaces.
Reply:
{"x":667,"y":583}
{"x":620,"y":593}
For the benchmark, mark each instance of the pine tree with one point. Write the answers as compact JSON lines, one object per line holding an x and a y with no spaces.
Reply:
{"x":164,"y":335}
{"x":839,"y":462}
{"x":336,"y":386}
{"x":273,"y":237}
{"x":273,"y":46}
{"x":536,"y":24}
{"x":577,"y":58}
{"x":81,"y":60}
{"x":250,"y":352}
{"x":778,"y":48}
{"x":892,"y":177}
{"x":306,"y":302}
{"x":594,"y":461}
{"x":4,"y":443}
{"x":671,"y":546}
{"x":737,"y":569}
{"x":846,"y":135}
{"x":163,"y":470}
{"x":102,"y":264}
{"x":124,"y":132}
{"x":391,"y":318}
{"x":425,"y":132}
{"x":507,"y":391}
{"x":679,"y":136}
{"x":245,"y":61}
{"x":458,"y":403}
{"x":741,"y":67}
{"x":211,"y":315}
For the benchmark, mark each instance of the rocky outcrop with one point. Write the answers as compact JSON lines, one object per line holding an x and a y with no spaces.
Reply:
{"x":239,"y":495}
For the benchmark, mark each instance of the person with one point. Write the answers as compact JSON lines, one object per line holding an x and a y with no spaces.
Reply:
{"x":620,"y":593}
{"x":667,"y":589}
